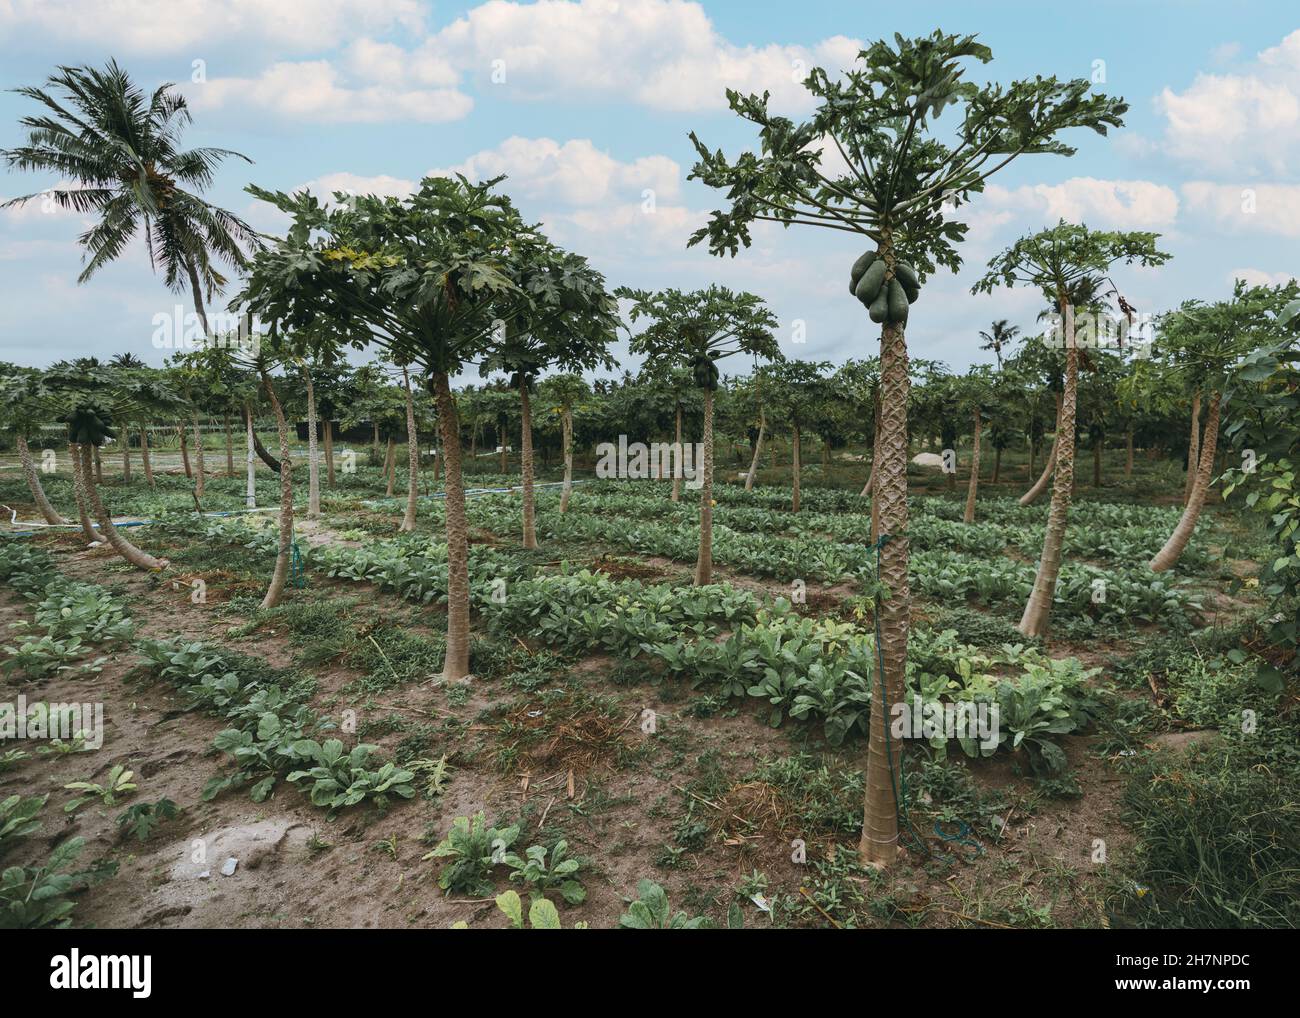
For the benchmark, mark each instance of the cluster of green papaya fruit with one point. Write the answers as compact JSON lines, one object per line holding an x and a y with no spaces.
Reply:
{"x":705,"y":372}
{"x":885,"y":302}
{"x":89,"y":425}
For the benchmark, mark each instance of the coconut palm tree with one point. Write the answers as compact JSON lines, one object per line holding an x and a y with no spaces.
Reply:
{"x":117,"y":153}
{"x":999,"y":337}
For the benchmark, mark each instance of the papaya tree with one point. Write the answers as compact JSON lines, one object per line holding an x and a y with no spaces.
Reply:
{"x":975,"y":397}
{"x":563,"y":393}
{"x":1069,"y":264}
{"x":570,"y":326}
{"x":697,"y":329}
{"x":1209,"y":340}
{"x":424,"y":277}
{"x":22,"y":397}
{"x":872,"y":161}
{"x":798,"y":391}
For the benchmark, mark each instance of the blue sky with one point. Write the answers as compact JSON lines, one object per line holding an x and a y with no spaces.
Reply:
{"x":594,"y":109}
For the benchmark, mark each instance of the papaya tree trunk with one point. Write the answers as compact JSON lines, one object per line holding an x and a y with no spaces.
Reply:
{"x":758,"y":450}
{"x":185,"y":451}
{"x":526,"y":464}
{"x":869,"y":487}
{"x":250,"y":461}
{"x":997,"y":465}
{"x":1128,"y":454}
{"x":80,"y":485}
{"x":128,"y":551}
{"x":390,"y":466}
{"x":263,"y":455}
{"x":879,"y":844}
{"x":973,"y":487}
{"x":1193,"y":448}
{"x":34,"y":482}
{"x":501,"y":441}
{"x":200,"y":472}
{"x":456,"y":664}
{"x":1038,"y":611}
{"x":412,"y":457}
{"x":1040,"y":486}
{"x":284,"y":551}
{"x":677,"y":458}
{"x":566,"y":427}
{"x":328,"y":426}
{"x":1168,"y":555}
{"x":230,"y":447}
{"x":374,"y":443}
{"x":313,"y":460}
{"x":99,"y":465}
{"x":1096,"y":462}
{"x":704,"y":562}
{"x":125,"y":432}
{"x":796,"y":468}
{"x":144,"y":456}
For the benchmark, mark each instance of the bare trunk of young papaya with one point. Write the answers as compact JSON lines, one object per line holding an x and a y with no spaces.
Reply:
{"x":125,"y":432}
{"x":566,"y":427}
{"x":526,"y":465}
{"x":1128,"y":454}
{"x":501,"y":439}
{"x":284,"y":551}
{"x":185,"y":451}
{"x":390,"y":466}
{"x":250,"y":461}
{"x":1096,"y":463}
{"x":374,"y":443}
{"x":1040,"y":486}
{"x":1193,"y":449}
{"x":869,"y":487}
{"x":973,"y":487}
{"x":456,"y":665}
{"x":997,"y":465}
{"x":79,"y":493}
{"x":99,"y":466}
{"x":313,"y":459}
{"x":230,"y":447}
{"x":1033,"y":456}
{"x":200,"y":471}
{"x":110,"y":533}
{"x":796,"y":468}
{"x":758,"y":450}
{"x":879,"y":844}
{"x":704,"y":562}
{"x":677,"y":458}
{"x":144,"y":456}
{"x":328,"y":426}
{"x":1173,"y":548}
{"x":34,"y":482}
{"x":412,"y":457}
{"x":1038,"y":611}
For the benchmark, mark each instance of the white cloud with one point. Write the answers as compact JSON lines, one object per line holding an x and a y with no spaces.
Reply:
{"x":382,"y":185}
{"x":1260,"y":277}
{"x":660,"y":53}
{"x":574,"y":172}
{"x":1134,"y":204}
{"x":167,"y":26}
{"x":1246,"y":123}
{"x":1263,"y":208}
{"x":313,"y":90}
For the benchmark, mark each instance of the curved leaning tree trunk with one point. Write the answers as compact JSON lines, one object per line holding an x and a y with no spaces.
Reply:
{"x":972,"y":490}
{"x":456,"y":665}
{"x":313,"y":458}
{"x":1193,"y":449}
{"x":758,"y":449}
{"x":284,"y":551}
{"x":566,"y":428}
{"x":526,"y":465}
{"x":879,"y":844}
{"x":34,"y":483}
{"x":677,"y":458}
{"x":796,"y":468}
{"x":128,"y":551}
{"x":1168,"y":555}
{"x":1038,"y":611}
{"x":704,"y":561}
{"x":80,"y":494}
{"x":412,"y":458}
{"x":144,"y":456}
{"x":1040,"y":486}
